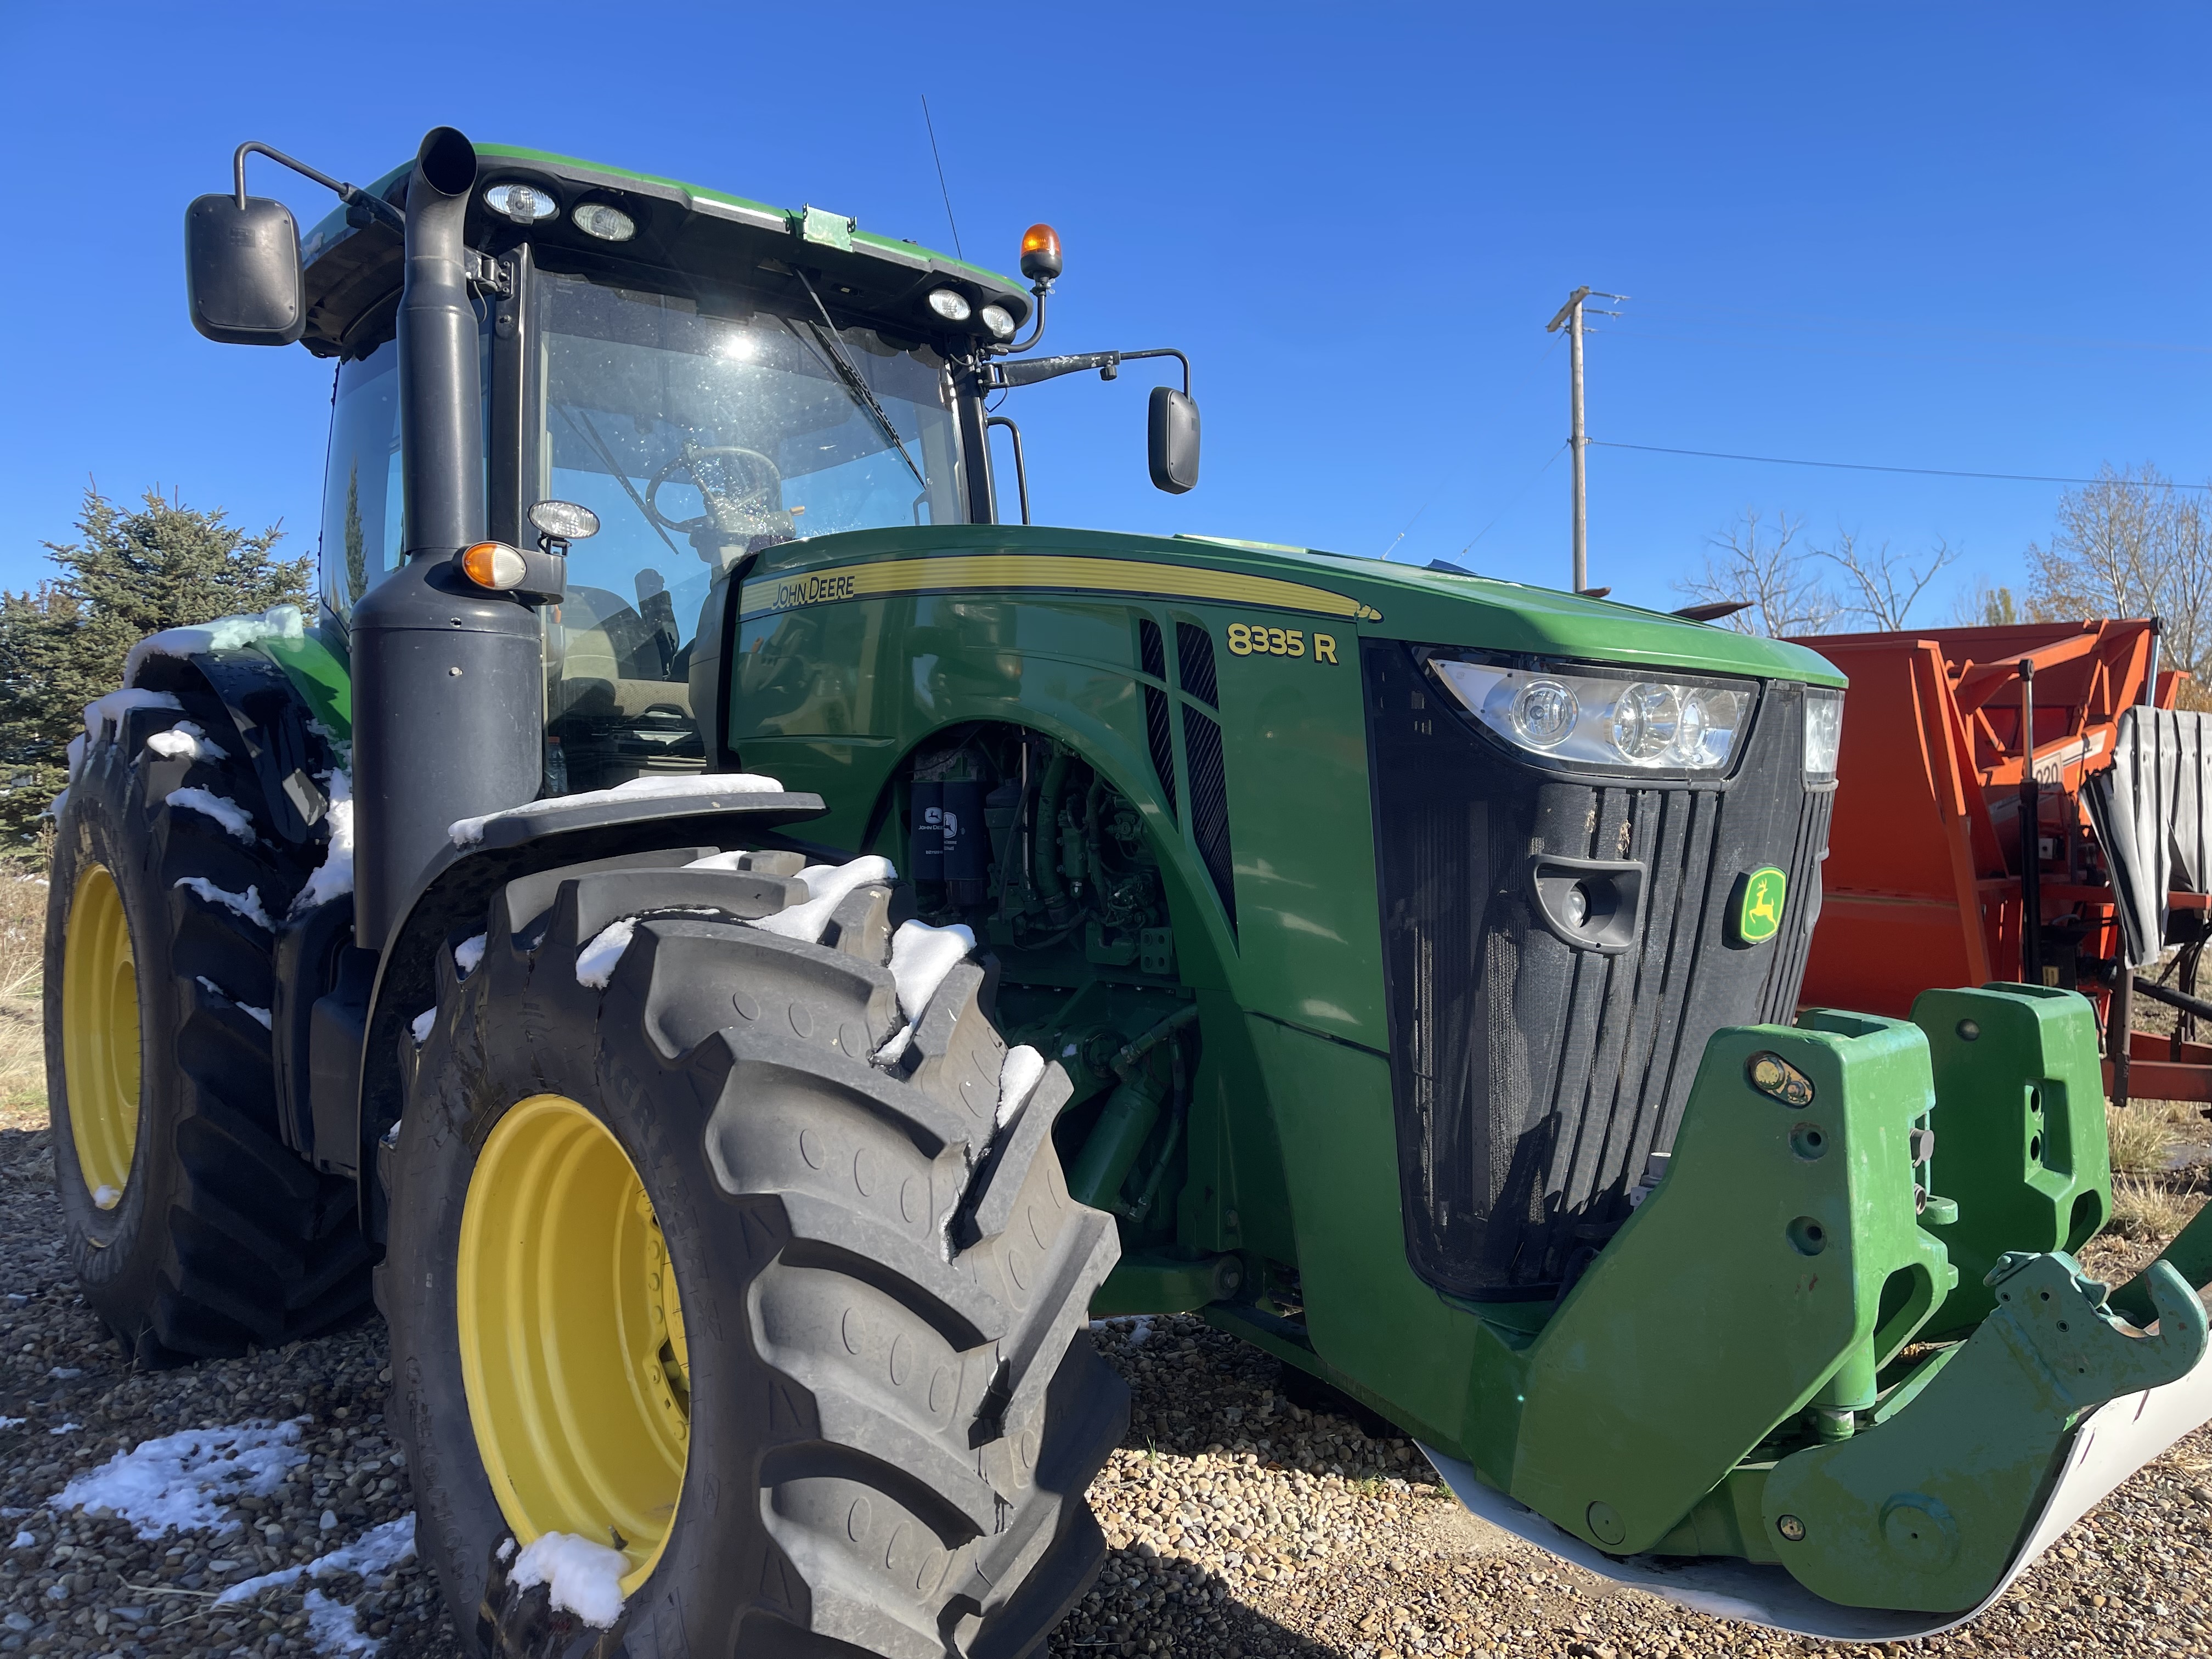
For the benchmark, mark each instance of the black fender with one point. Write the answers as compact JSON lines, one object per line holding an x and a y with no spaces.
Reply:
{"x":369,"y":1027}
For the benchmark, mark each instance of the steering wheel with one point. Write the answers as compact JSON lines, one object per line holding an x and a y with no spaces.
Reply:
{"x":740,"y":488}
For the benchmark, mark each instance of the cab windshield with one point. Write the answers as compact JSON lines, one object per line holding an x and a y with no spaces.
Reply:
{"x":700,"y":435}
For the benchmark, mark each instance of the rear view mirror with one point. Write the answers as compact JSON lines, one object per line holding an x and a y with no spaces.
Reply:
{"x":1172,"y":440}
{"x":242,"y":272}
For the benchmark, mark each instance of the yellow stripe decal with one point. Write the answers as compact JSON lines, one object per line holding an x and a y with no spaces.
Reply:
{"x":961,"y":572}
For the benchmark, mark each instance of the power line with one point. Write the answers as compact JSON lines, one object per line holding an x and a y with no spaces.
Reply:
{"x":1863,"y":467}
{"x":941,"y":184}
{"x":1516,"y":501}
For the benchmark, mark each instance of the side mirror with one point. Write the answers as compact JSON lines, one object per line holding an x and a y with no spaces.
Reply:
{"x":242,"y":272}
{"x":1171,"y":440}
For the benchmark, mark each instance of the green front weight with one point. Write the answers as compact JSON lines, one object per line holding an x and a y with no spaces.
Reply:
{"x":1779,"y":1257}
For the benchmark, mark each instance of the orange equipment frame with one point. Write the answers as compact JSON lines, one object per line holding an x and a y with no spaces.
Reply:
{"x":1924,"y":883}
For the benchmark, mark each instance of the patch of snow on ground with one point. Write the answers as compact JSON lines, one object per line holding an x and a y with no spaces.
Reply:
{"x":228,"y":813}
{"x":826,"y":887}
{"x":282,"y":622}
{"x":25,"y":1540}
{"x":116,"y":704}
{"x":708,"y":786}
{"x":422,"y":1025}
{"x":467,"y":954}
{"x":246,"y":904}
{"x":371,"y":1555}
{"x":580,"y":1576}
{"x":186,"y":1481}
{"x":334,"y":1628}
{"x":185,"y":741}
{"x":13,"y":1422}
{"x":1018,"y":1080}
{"x":333,"y":876}
{"x":595,"y":962}
{"x":66,"y":1428}
{"x":921,"y":956}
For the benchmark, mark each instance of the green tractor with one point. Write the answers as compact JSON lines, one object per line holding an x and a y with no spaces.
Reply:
{"x":742,"y":951}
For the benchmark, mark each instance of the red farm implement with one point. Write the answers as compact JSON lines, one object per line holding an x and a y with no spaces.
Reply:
{"x":1953,"y":738}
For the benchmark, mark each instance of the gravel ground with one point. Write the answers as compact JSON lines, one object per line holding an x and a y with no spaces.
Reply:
{"x":1241,"y":1523}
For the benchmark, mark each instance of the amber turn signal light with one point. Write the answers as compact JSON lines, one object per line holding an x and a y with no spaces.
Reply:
{"x":1041,"y":254}
{"x":494,"y":565}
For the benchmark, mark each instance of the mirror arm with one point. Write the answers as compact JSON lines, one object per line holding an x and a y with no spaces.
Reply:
{"x":1021,"y":468}
{"x":1108,"y":363}
{"x":351,"y":195}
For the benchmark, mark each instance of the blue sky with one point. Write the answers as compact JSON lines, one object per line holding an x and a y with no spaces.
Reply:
{"x":1955,"y":236}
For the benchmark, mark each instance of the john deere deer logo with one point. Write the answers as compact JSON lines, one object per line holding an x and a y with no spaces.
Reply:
{"x":1758,"y":911}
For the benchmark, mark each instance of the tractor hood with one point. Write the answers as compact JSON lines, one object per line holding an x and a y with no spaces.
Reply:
{"x":1368,"y":597}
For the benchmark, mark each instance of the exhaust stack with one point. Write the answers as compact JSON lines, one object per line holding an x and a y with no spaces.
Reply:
{"x":448,"y":679}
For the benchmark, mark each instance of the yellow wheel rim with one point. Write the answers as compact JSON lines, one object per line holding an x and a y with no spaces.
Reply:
{"x":572,"y":1350}
{"x":100,"y":1035}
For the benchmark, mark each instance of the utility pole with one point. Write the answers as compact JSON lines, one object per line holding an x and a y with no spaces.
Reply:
{"x":1570,"y":317}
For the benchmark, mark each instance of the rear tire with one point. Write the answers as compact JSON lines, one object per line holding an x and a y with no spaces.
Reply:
{"x":890,"y":1423}
{"x":194,"y":1230}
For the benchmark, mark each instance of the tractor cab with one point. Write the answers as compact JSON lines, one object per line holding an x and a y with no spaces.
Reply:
{"x":708,"y":376}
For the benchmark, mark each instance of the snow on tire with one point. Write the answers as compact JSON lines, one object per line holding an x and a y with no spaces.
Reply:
{"x":893,"y":1410}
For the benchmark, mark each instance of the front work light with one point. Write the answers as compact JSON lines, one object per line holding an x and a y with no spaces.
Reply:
{"x":494,"y":565}
{"x":1040,"y":254}
{"x":999,"y":320}
{"x":524,"y":203}
{"x":608,"y":224}
{"x":949,"y":304}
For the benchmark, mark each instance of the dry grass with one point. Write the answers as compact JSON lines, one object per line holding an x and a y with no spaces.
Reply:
{"x":2142,"y":1136}
{"x":23,"y":931}
{"x":22,"y":1040}
{"x":2146,"y":1210}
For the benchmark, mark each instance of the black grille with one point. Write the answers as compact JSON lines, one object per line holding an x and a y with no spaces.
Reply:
{"x":1160,"y":735}
{"x":1209,"y":803}
{"x":1194,"y":655}
{"x":1532,"y":1078}
{"x":1163,"y":746}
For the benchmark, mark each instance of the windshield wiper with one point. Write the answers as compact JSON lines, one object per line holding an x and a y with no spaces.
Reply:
{"x":833,"y":352}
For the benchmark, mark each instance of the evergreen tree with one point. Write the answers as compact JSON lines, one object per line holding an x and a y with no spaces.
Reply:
{"x":129,"y":574}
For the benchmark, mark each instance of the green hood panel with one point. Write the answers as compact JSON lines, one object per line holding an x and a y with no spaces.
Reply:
{"x":1365,"y":597}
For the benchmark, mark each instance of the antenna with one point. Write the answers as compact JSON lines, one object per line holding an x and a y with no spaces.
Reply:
{"x":941,"y":184}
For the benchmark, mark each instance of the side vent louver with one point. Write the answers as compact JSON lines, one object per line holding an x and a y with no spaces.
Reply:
{"x":1194,"y":647}
{"x":1153,"y":653}
{"x":1209,"y":803}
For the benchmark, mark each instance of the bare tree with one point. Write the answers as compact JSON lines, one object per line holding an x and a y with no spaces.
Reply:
{"x":1984,"y":607}
{"x":1887,"y":585}
{"x":1750,"y":562}
{"x":2131,"y":544}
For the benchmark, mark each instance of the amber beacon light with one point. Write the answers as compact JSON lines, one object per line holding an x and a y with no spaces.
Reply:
{"x":1041,"y":254}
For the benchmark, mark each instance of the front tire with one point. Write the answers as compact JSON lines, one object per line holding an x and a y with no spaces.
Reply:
{"x":194,"y":1230}
{"x":855,"y":1414}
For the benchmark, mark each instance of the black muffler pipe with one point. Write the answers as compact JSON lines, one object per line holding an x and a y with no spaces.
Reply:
{"x":448,"y":679}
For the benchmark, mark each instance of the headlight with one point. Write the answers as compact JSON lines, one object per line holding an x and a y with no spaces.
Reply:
{"x":1824,"y":733}
{"x":1603,"y":720}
